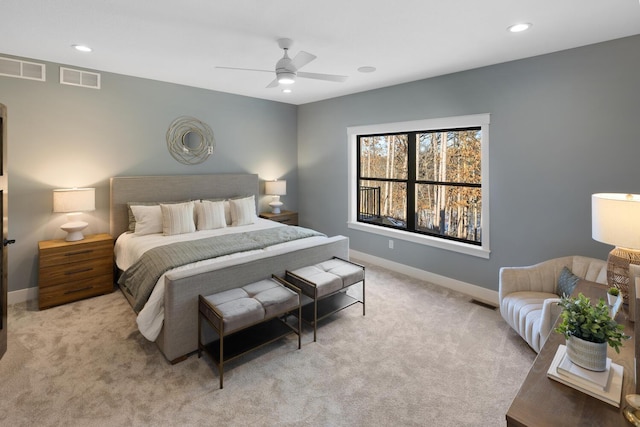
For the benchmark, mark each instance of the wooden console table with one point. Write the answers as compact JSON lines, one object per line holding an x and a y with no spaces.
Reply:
{"x":542,"y":401}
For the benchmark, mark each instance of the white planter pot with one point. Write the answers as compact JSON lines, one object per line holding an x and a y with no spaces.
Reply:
{"x":611,"y":299}
{"x":589,"y":355}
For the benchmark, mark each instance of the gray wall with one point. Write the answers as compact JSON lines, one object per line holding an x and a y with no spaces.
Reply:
{"x":563,"y":126}
{"x":65,"y":136}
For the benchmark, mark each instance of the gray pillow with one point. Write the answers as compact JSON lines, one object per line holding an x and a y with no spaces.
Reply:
{"x":566,"y":282}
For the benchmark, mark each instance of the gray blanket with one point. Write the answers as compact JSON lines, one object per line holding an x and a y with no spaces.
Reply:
{"x":140,"y":279}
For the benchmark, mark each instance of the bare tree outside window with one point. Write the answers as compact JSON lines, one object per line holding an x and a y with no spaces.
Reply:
{"x":427,"y":182}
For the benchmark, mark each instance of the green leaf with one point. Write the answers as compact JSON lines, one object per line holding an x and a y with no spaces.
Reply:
{"x":591,"y":323}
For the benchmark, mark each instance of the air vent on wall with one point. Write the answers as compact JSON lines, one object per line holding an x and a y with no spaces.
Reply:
{"x":72,"y":77}
{"x":22,"y":69}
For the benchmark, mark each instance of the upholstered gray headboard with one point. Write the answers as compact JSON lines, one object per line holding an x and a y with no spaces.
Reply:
{"x":168,"y":188}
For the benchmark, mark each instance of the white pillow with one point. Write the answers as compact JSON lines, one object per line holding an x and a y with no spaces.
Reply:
{"x":177,"y":218}
{"x":243,"y":211}
{"x":148,"y":219}
{"x":210,"y":215}
{"x":227,"y":208}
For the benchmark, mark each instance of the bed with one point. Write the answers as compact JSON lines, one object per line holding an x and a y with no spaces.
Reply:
{"x":170,"y":314}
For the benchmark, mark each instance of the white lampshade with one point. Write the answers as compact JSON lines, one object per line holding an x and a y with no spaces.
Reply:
{"x":276,"y":188}
{"x":68,"y":200}
{"x":615,"y":219}
{"x":72,"y":201}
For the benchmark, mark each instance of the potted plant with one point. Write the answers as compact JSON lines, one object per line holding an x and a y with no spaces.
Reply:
{"x":588,"y":329}
{"x":612,"y":295}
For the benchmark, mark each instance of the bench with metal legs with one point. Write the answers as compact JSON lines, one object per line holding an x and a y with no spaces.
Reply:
{"x":248,"y":318}
{"x":326,"y":284}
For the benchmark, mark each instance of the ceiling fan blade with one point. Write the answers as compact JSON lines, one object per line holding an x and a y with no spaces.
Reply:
{"x":327,"y":77}
{"x":246,"y":69}
{"x":302,"y":59}
{"x":274,"y":83}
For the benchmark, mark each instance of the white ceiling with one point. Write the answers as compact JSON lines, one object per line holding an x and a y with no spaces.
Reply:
{"x":184,"y":41}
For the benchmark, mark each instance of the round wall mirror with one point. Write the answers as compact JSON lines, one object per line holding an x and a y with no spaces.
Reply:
{"x":189,"y":140}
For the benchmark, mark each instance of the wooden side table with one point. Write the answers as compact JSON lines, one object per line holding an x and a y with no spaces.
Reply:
{"x":284,"y":217}
{"x":70,"y":271}
{"x":542,"y":401}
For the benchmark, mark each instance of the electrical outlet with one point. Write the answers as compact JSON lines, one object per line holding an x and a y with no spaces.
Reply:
{"x":390,"y":244}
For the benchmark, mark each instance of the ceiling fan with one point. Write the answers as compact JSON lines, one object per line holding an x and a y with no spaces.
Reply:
{"x":287,"y":69}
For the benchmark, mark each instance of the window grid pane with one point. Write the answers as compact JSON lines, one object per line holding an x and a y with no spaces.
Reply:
{"x":451,"y":211}
{"x":383,"y":202}
{"x":384,"y":156}
{"x":449,"y":156}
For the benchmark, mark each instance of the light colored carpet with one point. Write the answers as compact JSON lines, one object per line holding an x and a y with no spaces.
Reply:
{"x":422,"y":356}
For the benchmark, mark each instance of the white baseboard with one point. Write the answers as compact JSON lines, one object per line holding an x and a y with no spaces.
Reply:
{"x":22,"y":295}
{"x":476,"y":292}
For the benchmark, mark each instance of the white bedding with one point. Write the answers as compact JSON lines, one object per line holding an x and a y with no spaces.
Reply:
{"x":129,"y":247}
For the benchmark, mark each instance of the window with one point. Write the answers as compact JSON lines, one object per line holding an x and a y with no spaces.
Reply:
{"x":423,"y":181}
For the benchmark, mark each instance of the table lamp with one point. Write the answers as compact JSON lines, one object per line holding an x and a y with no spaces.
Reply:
{"x":276,"y":189}
{"x":615,"y":219}
{"x":74,"y":201}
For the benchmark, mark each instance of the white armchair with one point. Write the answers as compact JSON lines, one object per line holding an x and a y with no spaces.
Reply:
{"x":528,"y":295}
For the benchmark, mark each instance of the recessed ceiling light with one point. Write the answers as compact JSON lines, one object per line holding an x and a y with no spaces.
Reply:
{"x":518,"y":28}
{"x":367,"y":69}
{"x":286,"y":90}
{"x":81,"y":48}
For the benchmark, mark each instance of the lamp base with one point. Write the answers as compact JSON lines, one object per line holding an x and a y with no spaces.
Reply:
{"x":618,"y":269}
{"x":74,"y":230}
{"x":276,"y":204}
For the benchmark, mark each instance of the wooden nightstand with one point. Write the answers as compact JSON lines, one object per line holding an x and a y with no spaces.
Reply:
{"x":70,"y":271}
{"x":285,"y":217}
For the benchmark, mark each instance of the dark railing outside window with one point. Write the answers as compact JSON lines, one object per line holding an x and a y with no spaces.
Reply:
{"x":369,"y":203}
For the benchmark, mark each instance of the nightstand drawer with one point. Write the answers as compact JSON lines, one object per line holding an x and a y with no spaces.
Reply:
{"x":284,"y":217}
{"x":64,"y":273}
{"x":64,"y":293}
{"x":67,"y":255}
{"x":289,"y":219}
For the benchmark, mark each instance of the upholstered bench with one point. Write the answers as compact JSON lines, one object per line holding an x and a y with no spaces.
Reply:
{"x":326,"y":283}
{"x":247,"y":318}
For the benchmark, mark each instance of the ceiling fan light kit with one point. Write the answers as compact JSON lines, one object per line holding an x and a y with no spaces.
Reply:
{"x":287,"y":69}
{"x":286,"y":77}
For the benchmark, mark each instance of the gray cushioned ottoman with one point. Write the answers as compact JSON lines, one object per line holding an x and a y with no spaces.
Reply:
{"x":326,"y":283}
{"x":247,"y":318}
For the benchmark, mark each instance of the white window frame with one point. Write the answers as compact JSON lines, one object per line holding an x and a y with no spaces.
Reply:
{"x":475,"y":120}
